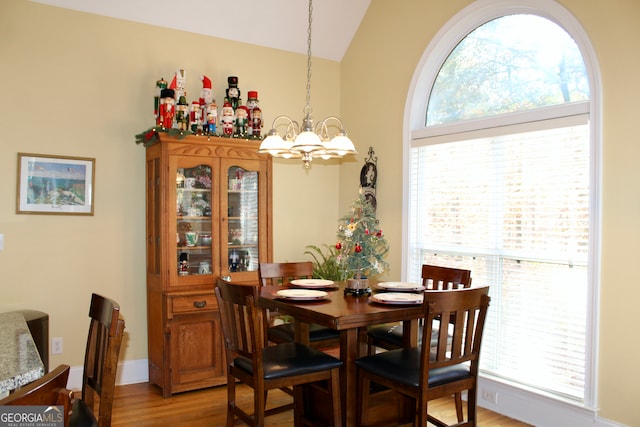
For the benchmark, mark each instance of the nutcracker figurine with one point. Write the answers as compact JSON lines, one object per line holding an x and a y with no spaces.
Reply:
{"x":210,"y":126}
{"x":207,"y":107}
{"x":182,"y":113}
{"x":160,"y":84}
{"x":166,"y":111}
{"x":252,"y":104}
{"x":256,"y":124}
{"x":194,"y":118}
{"x":227,"y":119}
{"x":233,"y":93}
{"x":242,"y":119}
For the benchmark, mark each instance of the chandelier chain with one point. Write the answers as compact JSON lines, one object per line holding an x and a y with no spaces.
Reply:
{"x":307,"y":108}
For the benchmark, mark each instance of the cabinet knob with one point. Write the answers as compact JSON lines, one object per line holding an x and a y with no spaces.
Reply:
{"x":199,"y":304}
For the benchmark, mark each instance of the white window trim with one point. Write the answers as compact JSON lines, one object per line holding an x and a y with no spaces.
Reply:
{"x":424,"y":76}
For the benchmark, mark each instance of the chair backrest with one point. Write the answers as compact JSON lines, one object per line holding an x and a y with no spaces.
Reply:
{"x":465,"y":309}
{"x":242,"y":322}
{"x":281,"y":273}
{"x":106,"y":330}
{"x":50,"y":390}
{"x":442,"y":278}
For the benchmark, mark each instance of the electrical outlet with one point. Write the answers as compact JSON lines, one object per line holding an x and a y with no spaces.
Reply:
{"x":56,"y":345}
{"x":490,"y":396}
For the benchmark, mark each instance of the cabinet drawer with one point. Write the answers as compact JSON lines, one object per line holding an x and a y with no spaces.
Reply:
{"x":194,"y":303}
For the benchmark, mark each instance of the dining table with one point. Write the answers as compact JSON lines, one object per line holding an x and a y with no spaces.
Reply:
{"x":350,"y":315}
{"x":20,"y":362}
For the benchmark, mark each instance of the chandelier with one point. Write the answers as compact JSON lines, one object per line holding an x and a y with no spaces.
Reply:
{"x":310,"y":140}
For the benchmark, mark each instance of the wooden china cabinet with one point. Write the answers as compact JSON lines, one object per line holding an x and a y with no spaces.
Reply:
{"x":208,"y":215}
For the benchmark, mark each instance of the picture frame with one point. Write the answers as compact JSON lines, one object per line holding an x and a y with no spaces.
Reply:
{"x":369,"y":178}
{"x":55,"y":185}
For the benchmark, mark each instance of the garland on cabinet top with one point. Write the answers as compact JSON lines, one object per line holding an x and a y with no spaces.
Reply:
{"x":175,"y":116}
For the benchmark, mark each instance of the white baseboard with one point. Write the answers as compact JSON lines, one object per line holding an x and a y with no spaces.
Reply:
{"x":528,"y":407}
{"x":129,"y":372}
{"x":536,"y":409}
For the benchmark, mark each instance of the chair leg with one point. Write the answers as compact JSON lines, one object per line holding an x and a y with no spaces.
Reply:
{"x":259,"y":405}
{"x":363,"y":400}
{"x":298,"y":405}
{"x":458,"y":399}
{"x":421,"y":412}
{"x":472,"y":406}
{"x":231,"y":400}
{"x":334,"y":388}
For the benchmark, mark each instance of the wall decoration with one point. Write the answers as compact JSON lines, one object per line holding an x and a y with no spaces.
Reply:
{"x":369,"y":178}
{"x":55,"y":184}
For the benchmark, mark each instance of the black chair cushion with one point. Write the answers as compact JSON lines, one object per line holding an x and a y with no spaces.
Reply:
{"x":285,"y":332}
{"x":82,"y":415}
{"x":289,"y":359}
{"x":403,"y":366}
{"x":392,"y":333}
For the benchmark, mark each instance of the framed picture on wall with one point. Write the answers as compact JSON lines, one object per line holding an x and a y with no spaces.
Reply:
{"x":50,"y":184}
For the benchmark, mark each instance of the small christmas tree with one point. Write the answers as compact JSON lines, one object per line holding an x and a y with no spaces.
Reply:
{"x":361,"y":244}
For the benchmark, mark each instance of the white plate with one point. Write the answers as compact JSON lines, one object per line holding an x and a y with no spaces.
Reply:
{"x":313,"y":283}
{"x":401,"y":286}
{"x":301,"y":294}
{"x":397,"y":298}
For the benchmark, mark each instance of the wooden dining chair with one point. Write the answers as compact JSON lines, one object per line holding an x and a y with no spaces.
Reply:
{"x":427,"y":372}
{"x":50,"y":390}
{"x":106,"y":330}
{"x":281,"y":273}
{"x":389,"y":336}
{"x":266,"y":367}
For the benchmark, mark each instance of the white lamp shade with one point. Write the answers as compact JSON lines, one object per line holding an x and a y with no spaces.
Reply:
{"x":340,"y":146}
{"x":307,"y":142}
{"x":273,"y":144}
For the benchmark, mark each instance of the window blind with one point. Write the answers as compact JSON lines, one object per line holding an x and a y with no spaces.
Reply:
{"x":513,"y":208}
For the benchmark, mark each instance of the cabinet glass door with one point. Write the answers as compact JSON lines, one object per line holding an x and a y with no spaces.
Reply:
{"x":243,"y":214}
{"x":194,"y":235}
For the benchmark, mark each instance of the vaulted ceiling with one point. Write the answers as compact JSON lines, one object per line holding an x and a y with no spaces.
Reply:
{"x":280,"y":24}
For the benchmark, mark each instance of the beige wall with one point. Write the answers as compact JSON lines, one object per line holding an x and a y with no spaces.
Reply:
{"x":81,"y":85}
{"x":376,"y":75}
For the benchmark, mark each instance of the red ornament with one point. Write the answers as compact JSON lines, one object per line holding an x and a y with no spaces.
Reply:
{"x":366,"y":231}
{"x":379,"y":233}
{"x":358,"y":248}
{"x":338,"y":246}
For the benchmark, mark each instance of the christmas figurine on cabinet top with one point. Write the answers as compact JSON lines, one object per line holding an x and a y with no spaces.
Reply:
{"x":233,"y":93}
{"x":160,"y":84}
{"x":166,"y":110}
{"x":254,"y":129}
{"x":194,"y":118}
{"x":208,"y":108}
{"x":242,"y":120}
{"x":227,"y":119}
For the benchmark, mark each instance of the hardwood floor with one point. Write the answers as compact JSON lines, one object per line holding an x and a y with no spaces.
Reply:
{"x":142,"y":405}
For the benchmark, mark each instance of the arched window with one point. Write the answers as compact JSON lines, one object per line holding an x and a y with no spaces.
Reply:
{"x":502,"y":181}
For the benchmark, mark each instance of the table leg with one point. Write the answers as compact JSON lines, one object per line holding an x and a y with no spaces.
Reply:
{"x":348,"y":354}
{"x":301,"y":332}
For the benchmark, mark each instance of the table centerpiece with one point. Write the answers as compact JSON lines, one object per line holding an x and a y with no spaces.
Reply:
{"x":361,"y":246}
